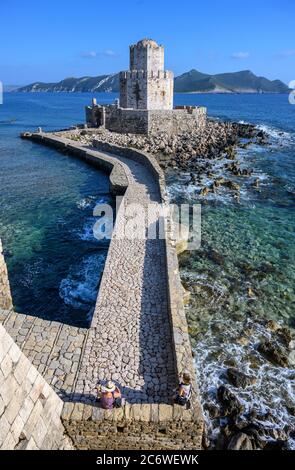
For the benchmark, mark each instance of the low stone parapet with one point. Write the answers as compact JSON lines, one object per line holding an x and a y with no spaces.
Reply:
{"x":139,"y":426}
{"x":5,"y":293}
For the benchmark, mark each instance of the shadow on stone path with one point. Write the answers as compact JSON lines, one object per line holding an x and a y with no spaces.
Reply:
{"x":130,"y":340}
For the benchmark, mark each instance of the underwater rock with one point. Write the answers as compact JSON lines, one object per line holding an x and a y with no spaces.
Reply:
{"x":273,"y":353}
{"x":239,"y":379}
{"x":216,"y":257}
{"x":218,"y":182}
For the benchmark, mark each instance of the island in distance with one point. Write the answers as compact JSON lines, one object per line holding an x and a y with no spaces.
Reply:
{"x":189,"y":82}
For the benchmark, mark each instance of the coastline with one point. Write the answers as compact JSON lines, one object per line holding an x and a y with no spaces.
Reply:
{"x":236,"y":259}
{"x":271,"y":348}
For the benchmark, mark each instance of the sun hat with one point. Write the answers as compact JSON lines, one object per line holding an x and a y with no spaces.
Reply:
{"x":110,"y":386}
{"x":186,"y":377}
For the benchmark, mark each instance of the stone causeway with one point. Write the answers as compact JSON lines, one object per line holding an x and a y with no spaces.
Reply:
{"x":138,"y":336}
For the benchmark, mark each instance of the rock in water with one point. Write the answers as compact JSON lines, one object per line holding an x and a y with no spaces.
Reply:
{"x":274,"y":353}
{"x":230,"y":404}
{"x":240,"y":442}
{"x":284,"y":335}
{"x":239,"y":379}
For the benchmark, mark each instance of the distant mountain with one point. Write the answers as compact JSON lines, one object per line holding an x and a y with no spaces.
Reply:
{"x":236,"y":82}
{"x":189,"y":82}
{"x":8,"y":88}
{"x":85,"y":84}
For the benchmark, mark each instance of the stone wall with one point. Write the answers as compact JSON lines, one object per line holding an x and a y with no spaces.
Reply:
{"x":140,"y":121}
{"x":146,"y":90}
{"x":134,"y":121}
{"x":29,"y":408}
{"x":146,"y":85}
{"x":176,"y":121}
{"x":5,"y":294}
{"x":142,"y":427}
{"x":146,"y":55}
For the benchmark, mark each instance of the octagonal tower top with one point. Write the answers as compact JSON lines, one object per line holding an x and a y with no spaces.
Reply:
{"x":147,"y":55}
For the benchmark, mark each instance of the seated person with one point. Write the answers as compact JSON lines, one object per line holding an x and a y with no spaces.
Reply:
{"x":184,"y":390}
{"x":109,"y":396}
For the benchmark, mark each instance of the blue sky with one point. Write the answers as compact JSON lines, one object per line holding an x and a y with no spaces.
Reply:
{"x":48,"y":41}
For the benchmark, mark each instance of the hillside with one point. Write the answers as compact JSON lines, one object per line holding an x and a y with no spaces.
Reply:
{"x":189,"y":82}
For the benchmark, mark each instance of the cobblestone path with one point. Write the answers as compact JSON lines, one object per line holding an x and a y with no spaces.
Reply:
{"x":54,"y":348}
{"x":130,"y":338}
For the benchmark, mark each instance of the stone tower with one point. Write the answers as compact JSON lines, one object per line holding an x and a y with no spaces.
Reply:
{"x":146,"y":85}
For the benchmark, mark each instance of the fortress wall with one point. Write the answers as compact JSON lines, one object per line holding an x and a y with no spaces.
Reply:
{"x":5,"y":294}
{"x":29,"y":408}
{"x":134,"y":121}
{"x":154,"y":121}
{"x":142,"y":427}
{"x":176,"y":121}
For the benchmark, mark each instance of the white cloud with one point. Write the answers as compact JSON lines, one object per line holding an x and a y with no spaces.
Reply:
{"x":288,"y":53}
{"x":109,"y":53}
{"x":95,"y":55}
{"x":89,"y":55}
{"x":240,"y":55}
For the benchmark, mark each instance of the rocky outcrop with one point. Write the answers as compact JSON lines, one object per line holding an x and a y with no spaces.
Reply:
{"x":274,"y":353}
{"x":239,"y":379}
{"x":180,"y":151}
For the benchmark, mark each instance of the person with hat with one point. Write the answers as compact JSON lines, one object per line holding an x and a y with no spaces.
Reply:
{"x":109,"y":396}
{"x":184,"y":390}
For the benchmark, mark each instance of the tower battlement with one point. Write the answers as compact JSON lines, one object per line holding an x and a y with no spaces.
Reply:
{"x":146,"y":98}
{"x":147,"y":85}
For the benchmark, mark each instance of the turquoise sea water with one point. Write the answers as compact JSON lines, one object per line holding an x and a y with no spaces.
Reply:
{"x":243,"y":273}
{"x":46,"y":220}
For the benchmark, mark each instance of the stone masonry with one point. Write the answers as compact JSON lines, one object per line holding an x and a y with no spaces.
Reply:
{"x":54,"y":348}
{"x":5,"y":294}
{"x":146,"y":85}
{"x":146,"y":98}
{"x":29,"y":408}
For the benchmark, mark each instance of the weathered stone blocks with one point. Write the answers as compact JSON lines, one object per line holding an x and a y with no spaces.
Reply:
{"x":5,"y":293}
{"x":29,"y":409}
